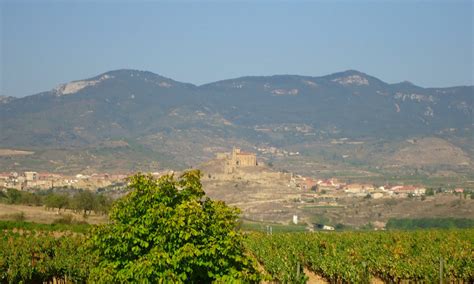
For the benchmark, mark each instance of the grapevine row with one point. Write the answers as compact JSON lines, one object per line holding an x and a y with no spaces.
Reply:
{"x":359,"y":256}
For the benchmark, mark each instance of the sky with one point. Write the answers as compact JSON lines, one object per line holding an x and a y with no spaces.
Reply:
{"x":45,"y":43}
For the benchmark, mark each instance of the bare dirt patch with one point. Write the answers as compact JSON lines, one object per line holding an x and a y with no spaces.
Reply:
{"x":376,"y":280}
{"x":314,"y":278}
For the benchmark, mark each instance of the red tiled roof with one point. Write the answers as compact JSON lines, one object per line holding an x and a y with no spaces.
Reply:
{"x":405,"y":187}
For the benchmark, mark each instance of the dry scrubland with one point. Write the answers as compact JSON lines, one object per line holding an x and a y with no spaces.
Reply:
{"x":280,"y":209}
{"x":264,"y":195}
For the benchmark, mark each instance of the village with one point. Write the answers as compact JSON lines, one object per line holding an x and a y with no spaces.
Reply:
{"x":231,"y":163}
{"x":30,"y":180}
{"x":239,"y":160}
{"x":266,"y":195}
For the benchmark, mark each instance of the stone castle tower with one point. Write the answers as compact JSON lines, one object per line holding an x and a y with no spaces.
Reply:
{"x":237,"y":159}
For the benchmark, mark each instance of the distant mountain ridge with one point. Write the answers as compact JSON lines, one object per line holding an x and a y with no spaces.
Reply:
{"x":154,"y":111}
{"x":6,"y":99}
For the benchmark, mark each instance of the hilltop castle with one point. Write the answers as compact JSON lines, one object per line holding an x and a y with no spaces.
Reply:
{"x":237,"y":159}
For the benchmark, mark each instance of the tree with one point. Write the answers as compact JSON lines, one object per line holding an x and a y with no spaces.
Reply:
{"x":84,"y":200}
{"x":340,"y":226}
{"x":430,"y":192}
{"x":54,"y":200}
{"x":103,"y":204}
{"x":13,"y":196}
{"x":166,"y":230}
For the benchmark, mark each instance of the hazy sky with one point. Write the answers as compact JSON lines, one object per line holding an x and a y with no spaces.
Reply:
{"x":45,"y":43}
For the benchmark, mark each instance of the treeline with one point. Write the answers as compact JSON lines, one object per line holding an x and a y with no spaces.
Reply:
{"x":84,"y":201}
{"x":427,"y":223}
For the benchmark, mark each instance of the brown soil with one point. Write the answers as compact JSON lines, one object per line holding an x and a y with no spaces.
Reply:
{"x":376,"y":280}
{"x":314,"y":278}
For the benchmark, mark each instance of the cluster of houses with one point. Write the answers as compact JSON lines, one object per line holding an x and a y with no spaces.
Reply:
{"x":35,"y":180}
{"x":333,"y":185}
{"x":276,"y":152}
{"x":235,"y":159}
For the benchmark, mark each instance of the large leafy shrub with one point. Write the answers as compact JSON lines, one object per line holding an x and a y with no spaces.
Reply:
{"x":166,"y":230}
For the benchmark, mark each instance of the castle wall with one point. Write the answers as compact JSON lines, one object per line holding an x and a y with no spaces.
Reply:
{"x":238,"y":159}
{"x":246,"y":160}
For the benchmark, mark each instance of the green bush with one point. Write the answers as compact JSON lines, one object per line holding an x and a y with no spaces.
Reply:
{"x":166,"y":229}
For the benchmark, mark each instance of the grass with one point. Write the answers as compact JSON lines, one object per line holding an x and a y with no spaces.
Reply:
{"x":253,"y":226}
{"x":56,"y":227}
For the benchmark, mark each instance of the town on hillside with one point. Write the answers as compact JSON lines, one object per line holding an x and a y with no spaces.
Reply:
{"x":230,"y":163}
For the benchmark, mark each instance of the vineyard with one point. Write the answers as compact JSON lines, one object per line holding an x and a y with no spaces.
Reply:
{"x":166,"y":231}
{"x":355,"y":257}
{"x":38,"y":256}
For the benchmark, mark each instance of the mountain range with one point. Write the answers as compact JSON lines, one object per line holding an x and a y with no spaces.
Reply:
{"x":184,"y":123}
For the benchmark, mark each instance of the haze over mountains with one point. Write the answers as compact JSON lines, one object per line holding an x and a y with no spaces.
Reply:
{"x":130,"y":109}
